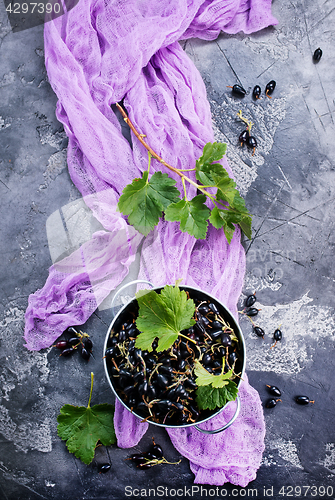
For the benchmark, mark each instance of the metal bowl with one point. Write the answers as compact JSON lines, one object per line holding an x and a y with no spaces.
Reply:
{"x":131,"y":310}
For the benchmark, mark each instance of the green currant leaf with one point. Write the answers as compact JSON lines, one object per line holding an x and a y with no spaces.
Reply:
{"x":245,"y":225}
{"x":206,"y":378}
{"x":82,"y":428}
{"x":226,"y":188}
{"x":213,"y":391}
{"x":163,"y":315}
{"x":205,"y":168}
{"x":144,"y":200}
{"x":215,"y":397}
{"x":192,"y":215}
{"x":225,"y":218}
{"x":221,"y":219}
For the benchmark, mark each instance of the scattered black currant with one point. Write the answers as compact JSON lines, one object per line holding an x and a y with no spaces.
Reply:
{"x":252,"y":311}
{"x":317,"y":55}
{"x":243,"y":137}
{"x":272,"y":389}
{"x":74,"y":341}
{"x":71,"y":331}
{"x":237,"y":90}
{"x":256,"y":92}
{"x":67,"y":352}
{"x":62,"y":344}
{"x":252,"y":143}
{"x":270,"y":88}
{"x":88,"y":344}
{"x":271,"y":403}
{"x":303,"y":400}
{"x":103,"y":468}
{"x":250,"y":300}
{"x":85,"y":354}
{"x":277,"y":336}
{"x":259,"y":331}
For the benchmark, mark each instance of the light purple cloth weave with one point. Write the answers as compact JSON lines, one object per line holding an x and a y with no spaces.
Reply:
{"x":96,"y":55}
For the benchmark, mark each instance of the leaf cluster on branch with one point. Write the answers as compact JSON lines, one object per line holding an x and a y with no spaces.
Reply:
{"x":147,"y":199}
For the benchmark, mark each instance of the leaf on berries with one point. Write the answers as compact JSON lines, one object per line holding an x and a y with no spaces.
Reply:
{"x":206,"y":378}
{"x":213,"y":391}
{"x":192,"y":215}
{"x":205,"y":168}
{"x":208,"y":397}
{"x":163,"y":315}
{"x":144,"y":200}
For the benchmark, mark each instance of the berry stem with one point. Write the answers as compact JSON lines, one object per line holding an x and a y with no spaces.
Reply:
{"x":89,"y":401}
{"x":157,"y":157}
{"x":249,"y":124}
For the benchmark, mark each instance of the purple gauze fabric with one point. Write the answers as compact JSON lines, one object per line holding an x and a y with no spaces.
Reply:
{"x":97,"y":54}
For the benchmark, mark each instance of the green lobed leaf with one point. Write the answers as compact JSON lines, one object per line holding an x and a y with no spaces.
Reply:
{"x":163,"y":316}
{"x":226,"y":188}
{"x":204,"y":377}
{"x":205,"y":168}
{"x":245,"y":225}
{"x":215,"y":397}
{"x":221,"y":219}
{"x":192,"y":215}
{"x":144,"y":200}
{"x":225,"y":218}
{"x":83,"y":427}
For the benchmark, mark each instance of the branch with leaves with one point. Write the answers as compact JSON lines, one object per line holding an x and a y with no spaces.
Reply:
{"x":146,"y":199}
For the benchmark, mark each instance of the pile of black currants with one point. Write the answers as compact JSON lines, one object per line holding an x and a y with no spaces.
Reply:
{"x":161,"y":386}
{"x":77,"y":341}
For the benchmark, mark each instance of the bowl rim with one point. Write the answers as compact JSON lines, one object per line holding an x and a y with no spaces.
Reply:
{"x":235,"y":326}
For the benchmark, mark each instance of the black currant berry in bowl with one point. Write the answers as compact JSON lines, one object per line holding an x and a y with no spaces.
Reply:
{"x":174,"y":356}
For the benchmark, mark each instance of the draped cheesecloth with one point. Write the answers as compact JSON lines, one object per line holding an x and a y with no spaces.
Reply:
{"x":96,"y":55}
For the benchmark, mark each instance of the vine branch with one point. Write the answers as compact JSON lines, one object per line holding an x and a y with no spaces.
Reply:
{"x":163,"y":162}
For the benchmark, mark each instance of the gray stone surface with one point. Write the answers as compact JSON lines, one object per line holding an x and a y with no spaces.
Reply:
{"x":289,"y":186}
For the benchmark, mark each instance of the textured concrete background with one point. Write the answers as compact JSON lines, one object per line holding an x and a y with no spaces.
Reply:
{"x":289,"y":186}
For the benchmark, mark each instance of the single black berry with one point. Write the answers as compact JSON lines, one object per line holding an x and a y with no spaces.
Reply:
{"x":303,"y":400}
{"x":238,"y":90}
{"x":256,"y":92}
{"x":274,"y":390}
{"x":243,"y":137}
{"x":317,"y":55}
{"x":259,"y":331}
{"x":252,"y":311}
{"x":103,"y":468}
{"x":270,"y":88}
{"x":271,"y":403}
{"x":252,"y":143}
{"x":250,"y":300}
